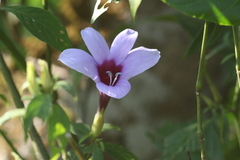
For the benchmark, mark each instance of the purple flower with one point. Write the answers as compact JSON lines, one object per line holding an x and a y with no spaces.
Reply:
{"x":110,"y":68}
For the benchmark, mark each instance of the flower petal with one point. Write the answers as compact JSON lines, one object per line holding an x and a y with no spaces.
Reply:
{"x":139,"y":60}
{"x":80,"y":61}
{"x":122,"y":44}
{"x":96,"y":44}
{"x":118,"y":91}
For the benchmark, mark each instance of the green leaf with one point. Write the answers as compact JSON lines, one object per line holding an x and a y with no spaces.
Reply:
{"x":213,"y":143}
{"x":38,"y":107}
{"x":58,"y":126}
{"x":42,"y":24}
{"x":184,"y":139}
{"x":134,"y":4}
{"x":80,"y":129}
{"x":96,"y":152}
{"x":216,"y":41}
{"x":4,"y":99}
{"x":108,"y":126}
{"x":119,"y":152}
{"x":223,"y":12}
{"x":58,"y":122}
{"x":12,"y":114}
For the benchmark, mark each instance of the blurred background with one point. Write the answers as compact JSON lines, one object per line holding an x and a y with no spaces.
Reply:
{"x":163,"y":94}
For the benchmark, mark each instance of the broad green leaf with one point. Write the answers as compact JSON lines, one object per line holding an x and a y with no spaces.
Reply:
{"x":213,"y":142}
{"x":108,"y":126}
{"x":95,"y":151}
{"x":4,"y":99}
{"x":58,"y":126}
{"x":223,"y":12}
{"x":38,"y":107}
{"x":134,"y":4}
{"x":179,"y":141}
{"x":12,"y":114}
{"x":119,"y":152}
{"x":42,"y":24}
{"x":59,"y":123}
{"x":80,"y":129}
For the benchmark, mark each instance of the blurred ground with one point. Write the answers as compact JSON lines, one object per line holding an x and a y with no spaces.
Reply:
{"x":166,"y":91}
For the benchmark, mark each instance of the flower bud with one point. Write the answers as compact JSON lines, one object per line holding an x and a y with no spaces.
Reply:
{"x":32,"y":81}
{"x":46,"y":78}
{"x":97,"y":124}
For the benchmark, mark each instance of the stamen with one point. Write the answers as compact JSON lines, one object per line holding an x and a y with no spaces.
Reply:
{"x":116,"y":76}
{"x":110,"y":77}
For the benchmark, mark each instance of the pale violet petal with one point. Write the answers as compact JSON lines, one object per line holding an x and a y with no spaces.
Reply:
{"x":122,"y":44}
{"x":80,"y":61}
{"x":139,"y":60}
{"x":96,"y":44}
{"x":118,"y":91}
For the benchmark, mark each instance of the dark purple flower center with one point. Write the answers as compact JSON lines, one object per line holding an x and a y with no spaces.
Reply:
{"x":109,"y":72}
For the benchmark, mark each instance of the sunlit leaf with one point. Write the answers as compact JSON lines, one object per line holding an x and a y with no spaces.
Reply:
{"x":223,"y":12}
{"x":42,"y":24}
{"x":134,"y":4}
{"x":119,"y":152}
{"x":38,"y":107}
{"x":12,"y":114}
{"x":58,"y":126}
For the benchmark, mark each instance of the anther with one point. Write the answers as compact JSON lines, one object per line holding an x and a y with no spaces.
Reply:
{"x":116,"y":77}
{"x":110,"y":76}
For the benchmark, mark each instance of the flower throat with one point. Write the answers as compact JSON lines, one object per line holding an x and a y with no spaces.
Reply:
{"x":109,"y":72}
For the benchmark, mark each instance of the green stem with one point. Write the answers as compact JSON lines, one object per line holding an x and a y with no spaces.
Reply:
{"x":237,"y":51}
{"x":236,"y":32}
{"x":199,"y":90}
{"x":19,"y":104}
{"x":45,"y":4}
{"x":10,"y":144}
{"x":74,"y":145}
{"x":237,"y":128}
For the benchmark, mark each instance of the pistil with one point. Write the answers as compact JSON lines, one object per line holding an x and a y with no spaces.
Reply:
{"x":110,"y":76}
